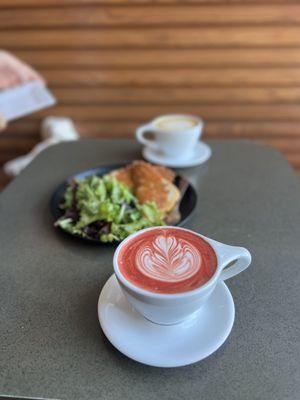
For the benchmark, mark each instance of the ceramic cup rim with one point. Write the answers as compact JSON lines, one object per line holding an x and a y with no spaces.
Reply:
{"x":199,"y":120}
{"x":148,"y":293}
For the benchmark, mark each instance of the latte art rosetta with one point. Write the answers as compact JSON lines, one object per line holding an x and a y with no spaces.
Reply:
{"x":168,"y":259}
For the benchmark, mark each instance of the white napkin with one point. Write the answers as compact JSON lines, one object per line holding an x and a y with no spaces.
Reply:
{"x":24,"y":99}
{"x":53,"y":130}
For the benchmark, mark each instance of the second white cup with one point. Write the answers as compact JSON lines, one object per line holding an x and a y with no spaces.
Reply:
{"x":175,"y":135}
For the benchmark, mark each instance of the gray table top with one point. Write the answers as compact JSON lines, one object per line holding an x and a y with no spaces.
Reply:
{"x":51,"y":343}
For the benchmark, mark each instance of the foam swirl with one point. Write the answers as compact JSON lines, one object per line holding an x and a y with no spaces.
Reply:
{"x":168,"y":259}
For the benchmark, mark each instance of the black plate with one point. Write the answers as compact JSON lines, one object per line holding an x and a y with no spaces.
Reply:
{"x":186,"y":207}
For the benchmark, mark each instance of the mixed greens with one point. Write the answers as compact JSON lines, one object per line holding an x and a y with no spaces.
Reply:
{"x":105,"y":210}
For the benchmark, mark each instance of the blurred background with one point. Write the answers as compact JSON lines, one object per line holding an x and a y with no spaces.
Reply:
{"x":114,"y":64}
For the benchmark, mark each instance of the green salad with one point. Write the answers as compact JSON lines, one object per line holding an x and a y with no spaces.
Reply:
{"x":105,"y":210}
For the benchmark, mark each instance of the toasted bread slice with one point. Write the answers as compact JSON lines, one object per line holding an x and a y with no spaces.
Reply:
{"x":123,"y":175}
{"x":150,"y":185}
{"x":166,"y":173}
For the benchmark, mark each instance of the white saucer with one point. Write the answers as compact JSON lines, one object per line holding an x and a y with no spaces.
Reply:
{"x":201,"y":153}
{"x":165,"y":346}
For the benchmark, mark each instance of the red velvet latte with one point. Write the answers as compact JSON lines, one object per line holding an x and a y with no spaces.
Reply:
{"x":167,"y":260}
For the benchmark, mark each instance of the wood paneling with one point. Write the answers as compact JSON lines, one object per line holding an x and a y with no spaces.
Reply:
{"x":63,"y":3}
{"x":163,"y":58}
{"x":209,"y":113}
{"x":214,"y":129}
{"x":153,"y":15}
{"x":175,"y":95}
{"x":207,"y":77}
{"x":114,"y":63}
{"x":180,"y":37}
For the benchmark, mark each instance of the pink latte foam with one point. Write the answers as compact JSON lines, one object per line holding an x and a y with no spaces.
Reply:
{"x":167,"y":260}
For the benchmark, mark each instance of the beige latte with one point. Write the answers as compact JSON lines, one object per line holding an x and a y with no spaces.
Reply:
{"x":176,"y":123}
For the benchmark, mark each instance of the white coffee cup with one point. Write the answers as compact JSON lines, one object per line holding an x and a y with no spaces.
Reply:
{"x":175,"y":135}
{"x":168,"y":309}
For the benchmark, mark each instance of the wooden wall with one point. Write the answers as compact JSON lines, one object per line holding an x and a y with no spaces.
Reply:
{"x":113,"y":64}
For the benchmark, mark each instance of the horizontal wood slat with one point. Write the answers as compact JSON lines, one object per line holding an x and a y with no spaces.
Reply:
{"x":180,"y":77}
{"x":62,"y":3}
{"x":99,"y":58}
{"x":93,"y":16}
{"x":212,"y":129}
{"x":209,"y":113}
{"x":160,"y":37}
{"x":22,"y":145}
{"x":177,"y":95}
{"x":253,"y":130}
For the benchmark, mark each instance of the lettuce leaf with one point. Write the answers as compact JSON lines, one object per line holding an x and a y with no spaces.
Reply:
{"x":105,"y":209}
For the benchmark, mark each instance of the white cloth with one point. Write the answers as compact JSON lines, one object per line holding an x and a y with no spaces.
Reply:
{"x":53,"y":130}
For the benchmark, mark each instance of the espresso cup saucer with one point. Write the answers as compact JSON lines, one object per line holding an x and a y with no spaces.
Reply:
{"x":165,"y":345}
{"x":200,"y":154}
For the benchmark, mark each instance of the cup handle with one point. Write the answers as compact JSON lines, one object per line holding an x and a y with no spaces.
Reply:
{"x":241,"y":258}
{"x":139,"y":134}
{"x":228,"y":254}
